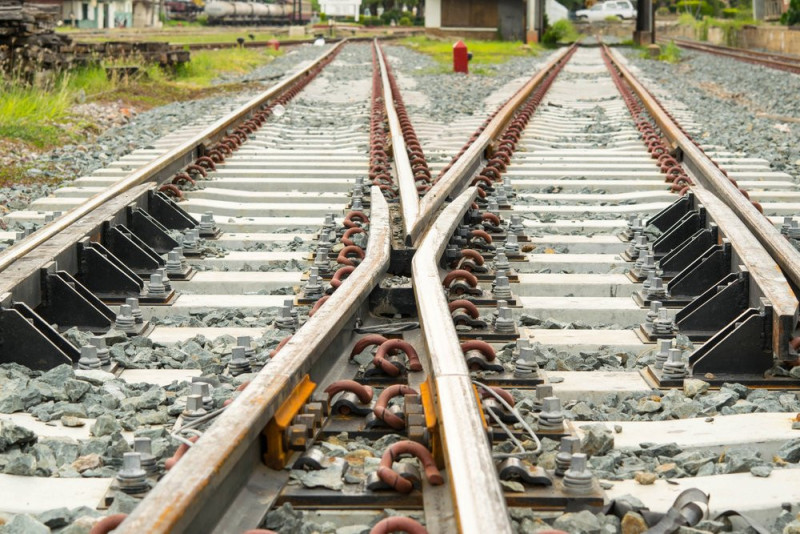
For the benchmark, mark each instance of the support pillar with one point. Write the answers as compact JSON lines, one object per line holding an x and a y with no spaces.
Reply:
{"x":645,"y":32}
{"x":535,"y":17}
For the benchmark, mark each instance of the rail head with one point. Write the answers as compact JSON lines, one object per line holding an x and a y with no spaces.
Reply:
{"x":454,"y":180}
{"x":179,"y":497}
{"x":185,"y":152}
{"x":785,"y":255}
{"x":409,"y":198}
{"x":479,"y":504}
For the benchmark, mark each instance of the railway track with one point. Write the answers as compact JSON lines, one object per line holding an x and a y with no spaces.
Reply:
{"x":579,"y":299}
{"x":765,"y":59}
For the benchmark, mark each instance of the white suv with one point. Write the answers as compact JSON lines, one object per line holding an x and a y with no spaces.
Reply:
{"x":621,"y":9}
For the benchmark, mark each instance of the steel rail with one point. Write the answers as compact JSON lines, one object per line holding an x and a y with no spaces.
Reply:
{"x":712,"y":177}
{"x":193,"y":484}
{"x":184,"y":152}
{"x":758,"y":250}
{"x":462,"y":170}
{"x":409,"y":198}
{"x":775,"y":61}
{"x":479,"y":503}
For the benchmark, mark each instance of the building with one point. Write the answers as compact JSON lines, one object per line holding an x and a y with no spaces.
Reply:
{"x":341,"y":8}
{"x":510,"y":20}
{"x":111,"y":13}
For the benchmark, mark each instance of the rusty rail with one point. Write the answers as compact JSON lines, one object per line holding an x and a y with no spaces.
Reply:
{"x":180,"y":155}
{"x":763,"y":250}
{"x":774,"y":61}
{"x":182,"y":500}
{"x":478,"y":501}
{"x":461,"y":171}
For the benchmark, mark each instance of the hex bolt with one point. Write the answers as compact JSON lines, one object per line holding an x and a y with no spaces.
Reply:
{"x":174,"y":264}
{"x":204,"y":390}
{"x":99,"y":343}
{"x":289,"y":303}
{"x":568,"y":446}
{"x":525,"y":366}
{"x":501,"y":303}
{"x":512,"y":245}
{"x":89,"y":359}
{"x":49,"y":218}
{"x":132,"y":479}
{"x":652,"y":314}
{"x":650,"y":275}
{"x":505,"y":321}
{"x":239,"y":363}
{"x":649,"y":261}
{"x":246,"y":342}
{"x":207,"y":222}
{"x":165,"y":279}
{"x":125,"y":320}
{"x":500,"y":196}
{"x":502,"y":289}
{"x":552,"y":416}
{"x":189,"y":240}
{"x":663,"y":325}
{"x":136,"y":311}
{"x":356,"y":204}
{"x":674,"y":367}
{"x":156,"y":287}
{"x":285,"y":321}
{"x":657,"y":289}
{"x":19,"y":236}
{"x":321,"y":262}
{"x":542,"y":392}
{"x":492,"y":206}
{"x":516,"y":227}
{"x":194,"y":408}
{"x":144,"y":447}
{"x":578,"y":478}
{"x":664,"y":346}
{"x":313,"y":288}
{"x":501,"y":262}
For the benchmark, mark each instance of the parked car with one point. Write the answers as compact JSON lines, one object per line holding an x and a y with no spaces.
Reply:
{"x":622,"y":9}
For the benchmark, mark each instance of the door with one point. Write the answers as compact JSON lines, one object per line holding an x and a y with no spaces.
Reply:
{"x":511,"y":16}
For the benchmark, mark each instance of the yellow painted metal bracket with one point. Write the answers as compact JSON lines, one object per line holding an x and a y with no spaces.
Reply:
{"x":277,"y":453}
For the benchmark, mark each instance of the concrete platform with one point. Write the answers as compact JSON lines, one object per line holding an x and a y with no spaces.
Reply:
{"x":160,"y":377}
{"x":32,"y":495}
{"x":578,"y":285}
{"x":576,"y":341}
{"x":576,"y":263}
{"x":766,"y":432}
{"x":594,"y":386}
{"x":758,"y":498}
{"x":169,"y":335}
{"x":237,"y":283}
{"x":254,"y":258}
{"x":191,"y":304}
{"x":590,"y":310}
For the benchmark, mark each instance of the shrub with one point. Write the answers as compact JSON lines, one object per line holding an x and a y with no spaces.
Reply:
{"x":792,"y":15}
{"x":405,"y":21}
{"x":561,"y":31}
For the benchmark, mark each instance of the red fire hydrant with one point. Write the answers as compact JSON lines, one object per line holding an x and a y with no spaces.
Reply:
{"x":460,"y":58}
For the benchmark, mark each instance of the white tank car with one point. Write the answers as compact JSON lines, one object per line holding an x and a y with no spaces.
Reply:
{"x":241,"y":11}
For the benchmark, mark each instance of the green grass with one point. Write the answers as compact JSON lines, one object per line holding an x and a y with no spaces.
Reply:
{"x":484,"y":53}
{"x":32,"y":114}
{"x":35,"y":115}
{"x":209,"y":64}
{"x":561,"y":31}
{"x":670,"y":53}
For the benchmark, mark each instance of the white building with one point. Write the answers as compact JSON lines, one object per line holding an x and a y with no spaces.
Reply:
{"x":340,"y":8}
{"x":486,"y":19}
{"x":111,"y":13}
